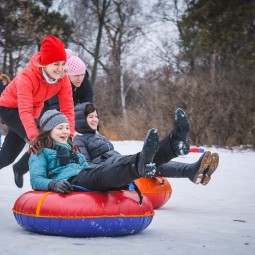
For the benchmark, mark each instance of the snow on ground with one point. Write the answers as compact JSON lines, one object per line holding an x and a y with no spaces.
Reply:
{"x":216,"y":219}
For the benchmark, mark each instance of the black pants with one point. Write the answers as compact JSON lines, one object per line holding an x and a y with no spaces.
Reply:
{"x":121,"y":173}
{"x":14,"y":141}
{"x":109,"y":177}
{"x":164,"y":154}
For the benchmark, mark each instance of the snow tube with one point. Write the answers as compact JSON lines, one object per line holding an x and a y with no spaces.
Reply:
{"x":83,"y":214}
{"x":196,"y":149}
{"x":157,"y":189}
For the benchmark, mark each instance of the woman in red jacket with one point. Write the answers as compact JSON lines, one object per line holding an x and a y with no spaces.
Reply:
{"x":22,"y":101}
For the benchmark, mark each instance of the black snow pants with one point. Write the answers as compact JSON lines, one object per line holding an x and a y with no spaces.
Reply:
{"x":109,"y":177}
{"x":14,"y":141}
{"x":122,"y":172}
{"x":165,"y":152}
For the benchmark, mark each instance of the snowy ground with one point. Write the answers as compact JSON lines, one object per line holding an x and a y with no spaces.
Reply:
{"x":215,"y":219}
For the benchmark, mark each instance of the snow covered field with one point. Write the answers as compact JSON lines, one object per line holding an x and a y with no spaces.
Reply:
{"x":216,"y":219}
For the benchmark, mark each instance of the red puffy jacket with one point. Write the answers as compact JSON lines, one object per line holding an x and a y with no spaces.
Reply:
{"x":28,"y":91}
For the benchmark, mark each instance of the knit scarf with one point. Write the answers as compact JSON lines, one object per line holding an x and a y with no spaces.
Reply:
{"x":65,"y":155}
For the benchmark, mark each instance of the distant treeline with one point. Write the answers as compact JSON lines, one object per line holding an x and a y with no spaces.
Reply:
{"x":139,"y":74}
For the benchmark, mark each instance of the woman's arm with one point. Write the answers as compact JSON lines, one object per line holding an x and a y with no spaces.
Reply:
{"x":25,"y":105}
{"x":66,"y":105}
{"x":77,"y":140}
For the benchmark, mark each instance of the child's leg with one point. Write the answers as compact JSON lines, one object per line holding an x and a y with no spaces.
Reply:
{"x":108,"y":177}
{"x":124,"y":171}
{"x":165,"y":152}
{"x":176,"y":143}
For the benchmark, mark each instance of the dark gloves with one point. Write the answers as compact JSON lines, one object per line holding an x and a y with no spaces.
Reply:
{"x":63,"y":187}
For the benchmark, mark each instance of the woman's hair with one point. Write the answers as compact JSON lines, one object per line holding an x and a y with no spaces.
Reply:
{"x":44,"y":140}
{"x":6,"y":77}
{"x":89,"y":109}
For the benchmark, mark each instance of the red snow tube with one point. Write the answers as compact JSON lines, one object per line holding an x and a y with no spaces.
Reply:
{"x":157,"y":189}
{"x":84,"y":214}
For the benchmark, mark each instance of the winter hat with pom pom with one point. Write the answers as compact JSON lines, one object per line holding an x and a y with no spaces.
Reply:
{"x":52,"y":50}
{"x":75,"y":66}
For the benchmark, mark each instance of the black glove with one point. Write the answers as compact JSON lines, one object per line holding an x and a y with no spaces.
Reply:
{"x":63,"y":187}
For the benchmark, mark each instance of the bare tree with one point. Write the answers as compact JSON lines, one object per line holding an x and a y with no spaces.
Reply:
{"x":123,"y":28}
{"x":89,"y":18}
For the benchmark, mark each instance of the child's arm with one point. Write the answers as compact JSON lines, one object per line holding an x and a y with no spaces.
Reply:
{"x":38,"y":172}
{"x":83,"y":162}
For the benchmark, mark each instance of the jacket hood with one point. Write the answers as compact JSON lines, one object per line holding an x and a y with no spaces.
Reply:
{"x":81,"y":124}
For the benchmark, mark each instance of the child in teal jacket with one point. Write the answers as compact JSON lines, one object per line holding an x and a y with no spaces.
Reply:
{"x":56,"y":164}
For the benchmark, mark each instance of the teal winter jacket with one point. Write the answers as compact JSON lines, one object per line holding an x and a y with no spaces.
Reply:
{"x":46,"y":167}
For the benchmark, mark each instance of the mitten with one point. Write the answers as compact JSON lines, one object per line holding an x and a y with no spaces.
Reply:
{"x":63,"y":187}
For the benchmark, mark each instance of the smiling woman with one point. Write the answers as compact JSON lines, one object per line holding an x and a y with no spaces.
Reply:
{"x":23,"y":99}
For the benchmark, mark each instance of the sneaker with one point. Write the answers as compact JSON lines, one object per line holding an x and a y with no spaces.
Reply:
{"x":146,"y":167}
{"x":210,"y":169}
{"x":179,"y":136}
{"x":18,"y":178}
{"x":203,"y":162}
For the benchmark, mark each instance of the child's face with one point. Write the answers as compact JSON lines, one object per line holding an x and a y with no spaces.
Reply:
{"x":76,"y":80}
{"x":55,"y":70}
{"x":92,"y":120}
{"x":60,"y":133}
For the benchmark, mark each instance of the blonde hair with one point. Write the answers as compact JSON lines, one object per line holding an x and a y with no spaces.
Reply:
{"x":5,"y":77}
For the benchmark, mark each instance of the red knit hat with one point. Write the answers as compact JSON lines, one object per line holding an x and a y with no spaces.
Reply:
{"x":52,"y":50}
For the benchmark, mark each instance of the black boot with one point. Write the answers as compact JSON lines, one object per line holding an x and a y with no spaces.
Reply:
{"x":179,"y":135}
{"x":19,"y":169}
{"x":183,"y":170}
{"x":145,"y":166}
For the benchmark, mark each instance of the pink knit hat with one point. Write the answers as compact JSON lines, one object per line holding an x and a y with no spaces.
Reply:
{"x":68,"y":53}
{"x":75,"y":66}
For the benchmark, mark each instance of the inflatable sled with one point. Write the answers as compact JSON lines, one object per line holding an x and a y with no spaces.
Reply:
{"x":84,"y":214}
{"x":157,"y":189}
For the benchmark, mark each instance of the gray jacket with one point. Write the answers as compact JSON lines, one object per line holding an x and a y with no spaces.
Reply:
{"x":96,"y":148}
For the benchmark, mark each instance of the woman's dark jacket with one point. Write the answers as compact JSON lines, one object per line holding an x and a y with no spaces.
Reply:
{"x":96,"y":148}
{"x":81,"y":94}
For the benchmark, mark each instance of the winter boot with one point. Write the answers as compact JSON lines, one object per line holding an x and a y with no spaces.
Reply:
{"x":183,"y":170}
{"x":19,"y":169}
{"x":146,"y":167}
{"x":180,"y":133}
{"x":210,"y":169}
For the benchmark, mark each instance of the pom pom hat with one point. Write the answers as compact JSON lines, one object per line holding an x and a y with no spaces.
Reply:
{"x":75,"y":66}
{"x":51,"y":119}
{"x":52,"y":50}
